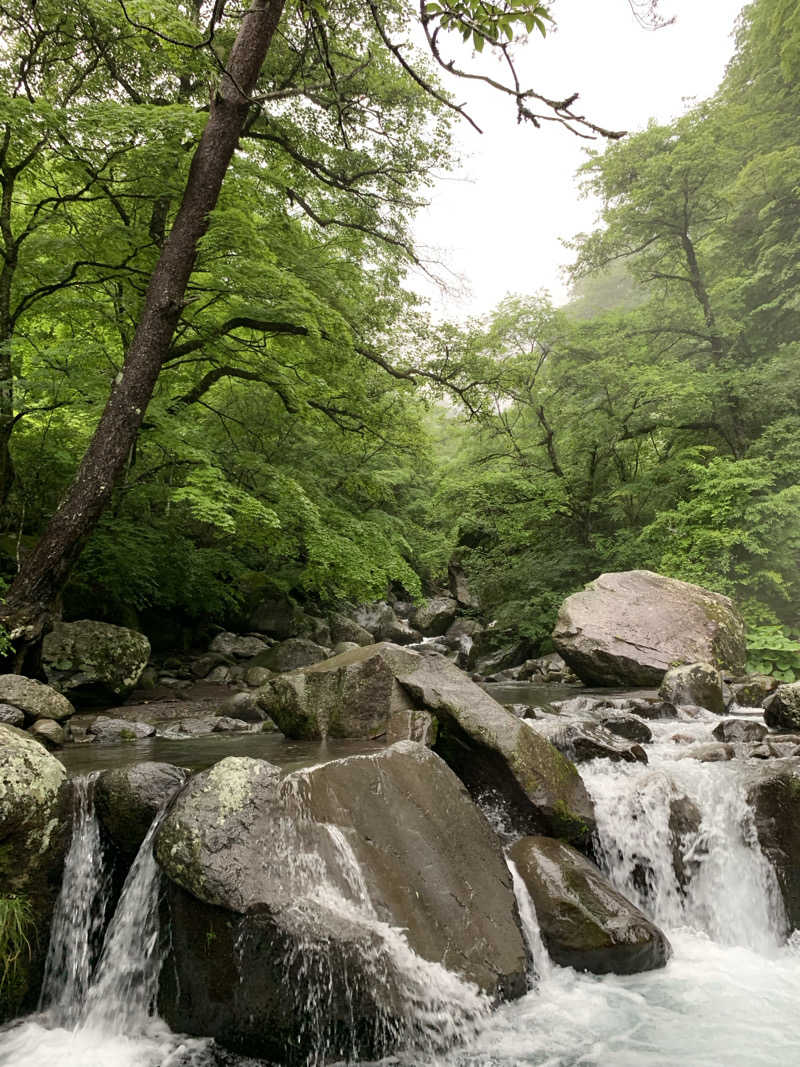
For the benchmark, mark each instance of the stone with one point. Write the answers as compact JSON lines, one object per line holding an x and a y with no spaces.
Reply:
{"x":584,"y":741}
{"x":649,"y":709}
{"x":627,"y":726}
{"x":460,"y":588}
{"x":257,"y":676}
{"x":278,"y":615}
{"x":350,"y":695}
{"x":585,"y":923}
{"x":781,"y":709}
{"x":435,"y":616}
{"x":375,"y":618}
{"x":94,"y":662}
{"x":204,"y":665}
{"x":290,"y":655}
{"x":738,"y":730}
{"x":400,"y":632}
{"x":127,"y":800}
{"x":220,"y":675}
{"x":628,"y":628}
{"x":37,"y":700}
{"x":107,"y":731}
{"x":33,"y":840}
{"x":223,"y":724}
{"x":12,"y":716}
{"x":684,"y":830}
{"x":243,"y":646}
{"x":412,"y":725}
{"x":492,"y":750}
{"x":752,"y":692}
{"x":774,"y":796}
{"x":711,"y":753}
{"x":396,"y":843}
{"x":48,"y":732}
{"x":243,"y":706}
{"x":344,"y":629}
{"x":699,"y":684}
{"x":184,"y":728}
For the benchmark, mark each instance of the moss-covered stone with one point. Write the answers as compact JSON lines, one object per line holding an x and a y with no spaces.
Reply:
{"x":35,"y":699}
{"x":94,"y":662}
{"x":33,"y":828}
{"x":584,"y":922}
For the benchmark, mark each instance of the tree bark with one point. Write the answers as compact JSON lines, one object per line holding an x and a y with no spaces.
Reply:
{"x":32,"y":597}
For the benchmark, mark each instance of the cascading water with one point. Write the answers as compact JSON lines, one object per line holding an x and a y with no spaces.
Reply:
{"x":99,"y":1013}
{"x":728,"y":995}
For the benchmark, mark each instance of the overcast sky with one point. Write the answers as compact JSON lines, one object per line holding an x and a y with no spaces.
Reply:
{"x":497,"y":221}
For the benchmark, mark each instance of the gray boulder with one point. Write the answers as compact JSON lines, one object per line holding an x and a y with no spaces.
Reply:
{"x":278,"y":615}
{"x":127,"y":800}
{"x":585,"y":923}
{"x":752,"y":692}
{"x":244,"y":646}
{"x":375,"y":618}
{"x":344,"y":629}
{"x":435,"y":616}
{"x":694,"y":683}
{"x":354,"y":694}
{"x":37,"y":700}
{"x":781,"y":709}
{"x":107,"y":731}
{"x":582,"y":741}
{"x":774,"y":796}
{"x":400,"y":632}
{"x":49,"y":732}
{"x":303,"y":884}
{"x":290,"y":655}
{"x":94,"y":662}
{"x":630,"y":627}
{"x":412,"y":725}
{"x":460,"y":588}
{"x":739,"y":730}
{"x":33,"y":837}
{"x":493,"y":751}
{"x":12,"y":716}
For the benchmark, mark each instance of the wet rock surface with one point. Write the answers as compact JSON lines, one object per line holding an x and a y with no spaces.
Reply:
{"x":694,"y":683}
{"x":300,"y":873}
{"x":782,"y":708}
{"x":585,"y":923}
{"x":775,"y":798}
{"x":128,"y":799}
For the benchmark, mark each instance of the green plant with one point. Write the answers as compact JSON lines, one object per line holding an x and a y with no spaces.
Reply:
{"x":773,"y":649}
{"x":17,"y":927}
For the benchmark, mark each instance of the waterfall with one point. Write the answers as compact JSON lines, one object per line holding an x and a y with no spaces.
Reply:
{"x":708,"y":875}
{"x":79,"y":916}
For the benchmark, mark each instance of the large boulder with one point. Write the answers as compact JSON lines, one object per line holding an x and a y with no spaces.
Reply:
{"x":774,"y":796}
{"x":32,"y":845}
{"x":435,"y":616}
{"x":585,"y":923}
{"x":94,"y":662}
{"x":242,"y":645}
{"x":630,"y":627}
{"x":781,"y":709}
{"x":694,"y":683}
{"x":127,"y":799}
{"x":344,"y":629}
{"x":35,"y":699}
{"x":354,"y":694}
{"x":340,"y":894}
{"x":499,"y":755}
{"x":289,"y":655}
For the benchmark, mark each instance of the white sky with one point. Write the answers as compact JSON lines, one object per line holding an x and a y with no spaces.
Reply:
{"x":497,"y":221}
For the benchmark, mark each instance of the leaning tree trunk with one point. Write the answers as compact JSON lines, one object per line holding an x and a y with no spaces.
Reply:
{"x":30,"y":603}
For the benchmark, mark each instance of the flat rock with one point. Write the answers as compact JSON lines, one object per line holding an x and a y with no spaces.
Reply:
{"x":585,"y":923}
{"x":630,"y":627}
{"x":107,"y":731}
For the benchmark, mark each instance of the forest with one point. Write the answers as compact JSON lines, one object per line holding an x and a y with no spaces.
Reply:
{"x":312,"y":430}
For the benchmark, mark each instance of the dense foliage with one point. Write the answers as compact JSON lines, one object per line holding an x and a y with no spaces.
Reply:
{"x":311,"y":431}
{"x":655,"y":421}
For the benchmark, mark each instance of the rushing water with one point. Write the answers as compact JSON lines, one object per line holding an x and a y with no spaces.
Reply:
{"x":728,"y":995}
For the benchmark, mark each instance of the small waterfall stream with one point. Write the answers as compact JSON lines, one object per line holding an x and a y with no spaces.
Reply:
{"x":727,"y":997}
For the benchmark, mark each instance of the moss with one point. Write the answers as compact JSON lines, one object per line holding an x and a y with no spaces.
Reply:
{"x":127,"y":735}
{"x":17,"y":935}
